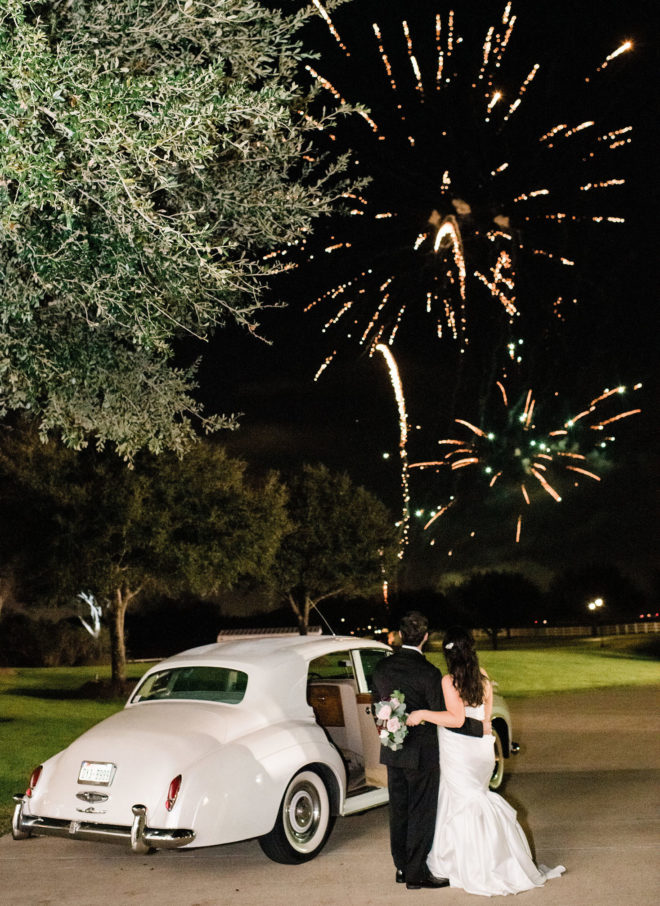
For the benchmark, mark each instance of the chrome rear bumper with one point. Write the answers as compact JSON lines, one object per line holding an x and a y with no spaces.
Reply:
{"x":140,"y":837}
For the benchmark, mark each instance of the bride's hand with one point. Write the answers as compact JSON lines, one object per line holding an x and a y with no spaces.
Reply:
{"x":414,"y":718}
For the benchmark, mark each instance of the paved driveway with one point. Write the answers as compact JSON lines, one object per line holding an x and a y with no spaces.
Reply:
{"x":585,"y":787}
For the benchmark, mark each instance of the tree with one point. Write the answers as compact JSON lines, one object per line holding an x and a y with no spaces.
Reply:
{"x":342,"y":541}
{"x":497,"y":600}
{"x":571,"y":591}
{"x":152,"y":151}
{"x":192,"y":525}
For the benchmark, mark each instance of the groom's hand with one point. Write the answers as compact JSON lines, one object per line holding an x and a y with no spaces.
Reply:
{"x":414,"y":719}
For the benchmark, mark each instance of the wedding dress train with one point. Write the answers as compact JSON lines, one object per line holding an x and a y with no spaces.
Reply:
{"x":478,"y":842}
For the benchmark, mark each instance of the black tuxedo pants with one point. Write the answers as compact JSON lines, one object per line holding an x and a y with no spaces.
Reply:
{"x":413,"y":809}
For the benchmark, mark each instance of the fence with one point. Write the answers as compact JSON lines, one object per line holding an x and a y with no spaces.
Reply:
{"x":529,"y":632}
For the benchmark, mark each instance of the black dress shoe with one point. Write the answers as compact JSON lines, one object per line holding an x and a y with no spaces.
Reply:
{"x":400,"y":877}
{"x":433,"y":883}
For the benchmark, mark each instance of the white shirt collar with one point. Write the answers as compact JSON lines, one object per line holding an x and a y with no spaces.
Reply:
{"x":412,"y":648}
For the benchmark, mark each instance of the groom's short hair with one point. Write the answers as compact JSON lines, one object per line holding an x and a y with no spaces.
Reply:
{"x":413,"y":628}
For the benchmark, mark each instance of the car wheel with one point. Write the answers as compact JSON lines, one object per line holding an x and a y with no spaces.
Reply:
{"x":303,"y":821}
{"x":497,"y":776}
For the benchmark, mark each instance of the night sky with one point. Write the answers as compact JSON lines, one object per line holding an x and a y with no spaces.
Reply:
{"x":570,"y":352}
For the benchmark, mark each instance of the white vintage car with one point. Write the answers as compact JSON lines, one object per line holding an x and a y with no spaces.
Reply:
{"x":258,"y":737}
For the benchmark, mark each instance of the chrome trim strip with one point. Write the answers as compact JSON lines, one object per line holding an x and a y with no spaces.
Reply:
{"x":140,"y":837}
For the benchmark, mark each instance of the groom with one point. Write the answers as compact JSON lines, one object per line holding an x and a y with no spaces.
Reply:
{"x":413,"y":772}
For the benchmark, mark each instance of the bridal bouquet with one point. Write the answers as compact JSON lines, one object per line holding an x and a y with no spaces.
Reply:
{"x":391,"y":720}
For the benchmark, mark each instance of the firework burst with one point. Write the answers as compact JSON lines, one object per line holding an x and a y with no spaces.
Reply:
{"x":530,"y":462}
{"x":450,"y":214}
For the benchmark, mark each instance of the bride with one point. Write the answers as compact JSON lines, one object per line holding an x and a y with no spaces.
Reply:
{"x":478,"y":842}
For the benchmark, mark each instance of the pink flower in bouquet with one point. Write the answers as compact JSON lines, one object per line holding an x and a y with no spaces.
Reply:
{"x":384,"y":712}
{"x":391,"y":720}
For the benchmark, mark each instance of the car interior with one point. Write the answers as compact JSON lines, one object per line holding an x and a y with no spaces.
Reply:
{"x":346,"y":715}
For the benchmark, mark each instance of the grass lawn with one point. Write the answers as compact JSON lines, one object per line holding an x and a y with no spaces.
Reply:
{"x":42,"y":710}
{"x":523,"y":668}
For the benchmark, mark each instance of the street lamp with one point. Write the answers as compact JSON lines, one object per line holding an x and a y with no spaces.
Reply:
{"x":594,"y":606}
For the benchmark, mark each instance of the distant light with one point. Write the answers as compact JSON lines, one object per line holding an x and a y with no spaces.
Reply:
{"x":386,"y":455}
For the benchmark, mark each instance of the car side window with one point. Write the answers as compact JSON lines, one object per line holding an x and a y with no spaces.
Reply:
{"x":370,"y":657}
{"x":334,"y":666}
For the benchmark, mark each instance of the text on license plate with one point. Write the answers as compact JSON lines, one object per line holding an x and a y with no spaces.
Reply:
{"x":99,"y":772}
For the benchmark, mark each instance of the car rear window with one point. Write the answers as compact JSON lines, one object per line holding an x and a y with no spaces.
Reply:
{"x":212,"y":684}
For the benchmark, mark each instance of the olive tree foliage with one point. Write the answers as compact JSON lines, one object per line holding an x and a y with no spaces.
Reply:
{"x":196,"y":524}
{"x":342,"y":542}
{"x":152,"y":152}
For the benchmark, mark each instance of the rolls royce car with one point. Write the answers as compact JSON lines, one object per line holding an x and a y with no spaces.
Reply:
{"x":268,"y":737}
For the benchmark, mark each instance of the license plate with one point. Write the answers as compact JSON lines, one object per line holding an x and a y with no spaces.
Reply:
{"x":99,"y":773}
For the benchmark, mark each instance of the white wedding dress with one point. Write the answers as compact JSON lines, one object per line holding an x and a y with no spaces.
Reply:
{"x":478,"y":842}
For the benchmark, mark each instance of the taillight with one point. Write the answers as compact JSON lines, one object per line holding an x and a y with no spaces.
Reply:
{"x":34,"y":779}
{"x":173,"y":792}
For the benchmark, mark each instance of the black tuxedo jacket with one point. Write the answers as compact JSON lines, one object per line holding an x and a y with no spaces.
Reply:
{"x":408,"y":671}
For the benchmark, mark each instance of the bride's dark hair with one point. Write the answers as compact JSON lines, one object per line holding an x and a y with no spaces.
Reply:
{"x":463,"y":664}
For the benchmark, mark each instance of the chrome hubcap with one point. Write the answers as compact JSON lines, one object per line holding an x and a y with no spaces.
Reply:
{"x":303,"y":812}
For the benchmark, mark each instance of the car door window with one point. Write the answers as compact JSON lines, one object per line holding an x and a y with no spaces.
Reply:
{"x":335,"y":666}
{"x":369,"y":658}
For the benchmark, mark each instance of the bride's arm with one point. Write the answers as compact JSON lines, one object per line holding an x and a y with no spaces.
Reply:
{"x":454,"y":716}
{"x":488,"y":696}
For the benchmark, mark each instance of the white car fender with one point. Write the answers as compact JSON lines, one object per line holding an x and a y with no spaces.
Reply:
{"x":235,"y":792}
{"x":47,"y":790}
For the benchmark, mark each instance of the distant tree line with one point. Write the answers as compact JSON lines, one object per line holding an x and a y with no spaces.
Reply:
{"x":175,"y":529}
{"x":497,"y":601}
{"x":173,"y":542}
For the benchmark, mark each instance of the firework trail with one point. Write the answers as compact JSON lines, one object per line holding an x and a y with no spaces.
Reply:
{"x":403,"y":440}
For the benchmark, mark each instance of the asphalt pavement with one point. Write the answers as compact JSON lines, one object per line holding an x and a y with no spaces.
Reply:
{"x":584,"y":784}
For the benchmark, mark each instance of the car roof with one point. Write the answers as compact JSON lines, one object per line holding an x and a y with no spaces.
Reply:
{"x":271,"y":650}
{"x":276,"y":667}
